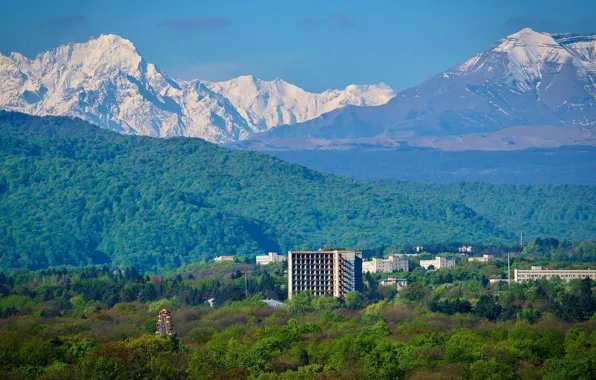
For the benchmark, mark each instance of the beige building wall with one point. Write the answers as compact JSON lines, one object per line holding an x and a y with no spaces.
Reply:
{"x":438,"y":262}
{"x":272,"y":257}
{"x":388,"y":265}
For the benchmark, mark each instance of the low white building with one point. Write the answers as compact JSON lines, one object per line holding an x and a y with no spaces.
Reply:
{"x":484,"y":259}
{"x":273,"y":303}
{"x":497,"y":280}
{"x":391,"y":264}
{"x":399,"y":283}
{"x":219,"y":259}
{"x":272,"y":257}
{"x":418,"y":248}
{"x":466,"y":249}
{"x":437,"y":263}
{"x":536,"y":273}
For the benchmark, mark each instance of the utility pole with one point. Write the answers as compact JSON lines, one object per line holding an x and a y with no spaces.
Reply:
{"x":521,"y":240}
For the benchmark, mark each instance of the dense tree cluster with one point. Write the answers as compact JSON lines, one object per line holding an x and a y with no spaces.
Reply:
{"x":63,"y":326}
{"x":532,"y":209}
{"x":73,"y":194}
{"x":86,"y":291}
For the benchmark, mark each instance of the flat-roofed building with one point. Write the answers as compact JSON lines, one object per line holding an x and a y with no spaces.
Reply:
{"x":219,"y":259}
{"x":497,"y":280}
{"x":270,"y":258}
{"x":334,"y":271}
{"x":273,"y":303}
{"x":437,"y":263}
{"x":391,"y":264}
{"x":398,"y":283}
{"x":484,"y":259}
{"x":536,"y":273}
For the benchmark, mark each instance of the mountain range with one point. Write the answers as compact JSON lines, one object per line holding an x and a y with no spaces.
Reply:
{"x":522,"y":111}
{"x":528,"y":90}
{"x":106,"y":81}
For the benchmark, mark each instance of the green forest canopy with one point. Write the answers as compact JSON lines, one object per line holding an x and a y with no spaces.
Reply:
{"x":71,"y":193}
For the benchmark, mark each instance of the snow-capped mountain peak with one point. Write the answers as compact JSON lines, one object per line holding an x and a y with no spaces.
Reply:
{"x":266,"y":104}
{"x":528,"y":48}
{"x":107,"y":82}
{"x":529,"y":82}
{"x":526,"y":56}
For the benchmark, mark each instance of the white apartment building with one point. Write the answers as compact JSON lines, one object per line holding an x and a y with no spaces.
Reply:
{"x":391,"y":264}
{"x":484,"y":259}
{"x":437,"y":263}
{"x":272,"y":257}
{"x":536,"y":273}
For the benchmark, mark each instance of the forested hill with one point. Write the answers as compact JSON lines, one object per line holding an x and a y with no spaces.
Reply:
{"x":71,"y":193}
{"x":567,"y":211}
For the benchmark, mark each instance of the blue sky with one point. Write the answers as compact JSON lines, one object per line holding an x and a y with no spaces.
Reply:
{"x":314,"y":44}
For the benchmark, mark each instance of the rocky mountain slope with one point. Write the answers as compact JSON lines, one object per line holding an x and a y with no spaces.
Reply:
{"x":528,"y":79}
{"x":107,"y":82}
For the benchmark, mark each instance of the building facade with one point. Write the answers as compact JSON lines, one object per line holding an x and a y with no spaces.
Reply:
{"x":327,"y":271}
{"x":437,"y":263}
{"x":391,"y":264}
{"x":272,"y":257}
{"x":520,"y":275}
{"x":398,"y":283}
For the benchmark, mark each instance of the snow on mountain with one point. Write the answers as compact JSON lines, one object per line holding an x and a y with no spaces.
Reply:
{"x":106,"y":82}
{"x":530,"y":55}
{"x":266,"y":104}
{"x":525,"y":79}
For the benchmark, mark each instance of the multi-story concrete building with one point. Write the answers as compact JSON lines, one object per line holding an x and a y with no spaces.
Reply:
{"x":219,"y":259}
{"x":391,"y":264}
{"x":437,"y":263}
{"x":333,"y":271}
{"x":536,"y":273}
{"x":399,"y":283}
{"x":484,"y":259}
{"x":272,"y":257}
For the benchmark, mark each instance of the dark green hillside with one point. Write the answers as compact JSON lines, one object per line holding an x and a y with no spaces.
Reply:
{"x":75,"y":194}
{"x":71,"y":193}
{"x":566,"y":211}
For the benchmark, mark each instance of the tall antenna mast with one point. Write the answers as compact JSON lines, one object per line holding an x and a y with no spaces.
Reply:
{"x":508,"y":271}
{"x":245,"y":286}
